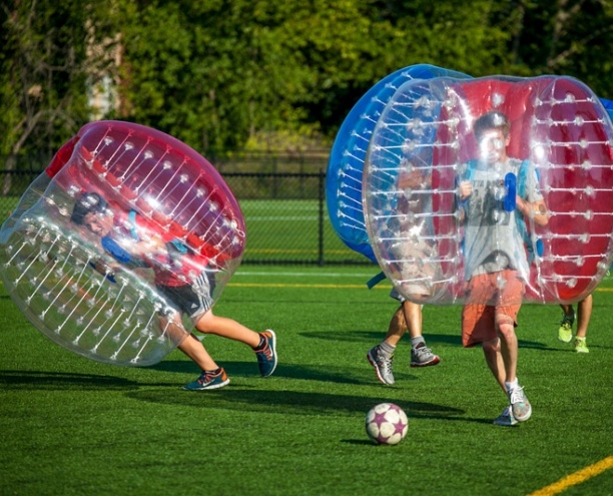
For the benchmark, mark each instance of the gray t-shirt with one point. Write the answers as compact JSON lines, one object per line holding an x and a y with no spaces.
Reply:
{"x":492,"y":239}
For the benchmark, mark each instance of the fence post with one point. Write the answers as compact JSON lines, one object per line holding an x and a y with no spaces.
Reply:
{"x":322,"y":195}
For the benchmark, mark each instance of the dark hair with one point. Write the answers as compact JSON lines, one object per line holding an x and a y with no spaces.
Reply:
{"x":492,"y":120}
{"x":86,"y":204}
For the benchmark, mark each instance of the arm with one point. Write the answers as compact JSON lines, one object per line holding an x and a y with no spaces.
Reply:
{"x":413,"y":180}
{"x":534,"y":211}
{"x":465,"y":189}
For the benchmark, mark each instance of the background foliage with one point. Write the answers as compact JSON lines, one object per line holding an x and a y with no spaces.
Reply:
{"x":223,"y":75}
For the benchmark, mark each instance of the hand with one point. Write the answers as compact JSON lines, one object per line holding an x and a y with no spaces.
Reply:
{"x":466,"y":189}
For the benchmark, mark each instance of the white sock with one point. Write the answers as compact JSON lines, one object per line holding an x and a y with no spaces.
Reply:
{"x":511,"y":385}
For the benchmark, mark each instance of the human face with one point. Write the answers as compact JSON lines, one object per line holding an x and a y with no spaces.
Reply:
{"x":492,"y":146}
{"x":99,"y":223}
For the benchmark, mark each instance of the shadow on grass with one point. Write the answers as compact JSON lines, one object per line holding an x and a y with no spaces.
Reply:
{"x":309,"y":373}
{"x":295,"y":403}
{"x":28,"y":380}
{"x":374,"y":337}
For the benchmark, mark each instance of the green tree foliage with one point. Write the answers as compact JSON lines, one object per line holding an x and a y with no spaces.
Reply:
{"x":216,"y":73}
{"x":570,"y":37}
{"x":232,"y":68}
{"x":45,"y":63}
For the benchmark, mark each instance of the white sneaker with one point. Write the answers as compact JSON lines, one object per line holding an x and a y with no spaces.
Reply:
{"x":522,"y":409}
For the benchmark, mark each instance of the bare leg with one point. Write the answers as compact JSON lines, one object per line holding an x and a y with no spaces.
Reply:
{"x":584,"y":312}
{"x":493,"y":357}
{"x":397,"y":327}
{"x":189,"y":345}
{"x":508,"y":348}
{"x":193,"y":348}
{"x":227,"y":328}
{"x":407,"y":317}
{"x":413,"y":317}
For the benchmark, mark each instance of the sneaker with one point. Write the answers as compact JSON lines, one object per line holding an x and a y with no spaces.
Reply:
{"x":565,"y":332}
{"x":382,"y":365}
{"x":521,"y":407}
{"x":422,"y":356}
{"x":209,"y":380}
{"x":506,"y":418}
{"x":267,"y":354}
{"x":580,"y":345}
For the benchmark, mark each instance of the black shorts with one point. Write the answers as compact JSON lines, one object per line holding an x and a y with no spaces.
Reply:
{"x":192,"y":299}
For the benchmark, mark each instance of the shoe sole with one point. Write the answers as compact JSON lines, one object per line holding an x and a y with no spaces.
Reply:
{"x":274,"y":352}
{"x":374,"y":366}
{"x":435,"y":361}
{"x":206,"y":388}
{"x":525,"y":417}
{"x":505,"y":424}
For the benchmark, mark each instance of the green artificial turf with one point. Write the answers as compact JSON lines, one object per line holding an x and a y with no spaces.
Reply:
{"x":71,"y":426}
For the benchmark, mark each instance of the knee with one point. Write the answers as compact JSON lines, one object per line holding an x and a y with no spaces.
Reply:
{"x":491,"y":347}
{"x":206,"y":322}
{"x":505,"y":326}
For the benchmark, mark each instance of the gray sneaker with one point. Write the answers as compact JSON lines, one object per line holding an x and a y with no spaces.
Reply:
{"x":520,"y":405}
{"x":506,"y":418}
{"x":422,"y":356}
{"x":382,"y":365}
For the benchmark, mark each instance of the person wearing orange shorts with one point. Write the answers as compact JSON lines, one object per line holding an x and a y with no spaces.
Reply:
{"x":496,"y":193}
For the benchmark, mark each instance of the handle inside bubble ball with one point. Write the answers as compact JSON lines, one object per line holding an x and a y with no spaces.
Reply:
{"x":510,"y":184}
{"x":116,"y":251}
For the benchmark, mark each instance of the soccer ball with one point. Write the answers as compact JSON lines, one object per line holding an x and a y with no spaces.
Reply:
{"x":386,"y":423}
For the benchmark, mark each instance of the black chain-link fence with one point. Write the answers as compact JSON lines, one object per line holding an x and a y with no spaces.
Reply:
{"x":285,"y":212}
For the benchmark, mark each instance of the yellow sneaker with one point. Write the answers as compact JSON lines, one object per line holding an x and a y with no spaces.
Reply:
{"x":565,"y":332}
{"x":580,"y":345}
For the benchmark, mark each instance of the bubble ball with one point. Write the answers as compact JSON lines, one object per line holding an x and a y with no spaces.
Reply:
{"x":348,"y":153}
{"x":420,"y":147}
{"x":120,"y":209}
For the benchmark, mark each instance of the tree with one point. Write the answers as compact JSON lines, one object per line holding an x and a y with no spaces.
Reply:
{"x":44,"y":67}
{"x":569,"y":37}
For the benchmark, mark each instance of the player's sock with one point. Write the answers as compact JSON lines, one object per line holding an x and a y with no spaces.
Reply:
{"x":512,"y":385}
{"x":416,"y":341}
{"x":386,"y":349}
{"x":262,"y":342}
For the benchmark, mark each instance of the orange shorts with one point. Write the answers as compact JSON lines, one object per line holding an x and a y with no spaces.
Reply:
{"x":491,"y":300}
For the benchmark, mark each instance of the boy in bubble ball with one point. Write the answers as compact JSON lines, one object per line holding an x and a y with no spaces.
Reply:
{"x":496,"y":262}
{"x":131,"y":240}
{"x":409,"y":315}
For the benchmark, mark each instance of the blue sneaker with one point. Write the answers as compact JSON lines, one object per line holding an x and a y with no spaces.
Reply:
{"x":267,"y":354}
{"x":209,"y":380}
{"x":506,"y":418}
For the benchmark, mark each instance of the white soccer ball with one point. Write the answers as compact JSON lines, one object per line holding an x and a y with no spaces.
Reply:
{"x":386,"y":423}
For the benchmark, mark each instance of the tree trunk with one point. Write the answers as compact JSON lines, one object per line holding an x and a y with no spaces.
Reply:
{"x":9,"y":169}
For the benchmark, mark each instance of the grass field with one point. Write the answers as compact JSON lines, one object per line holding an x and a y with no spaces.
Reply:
{"x":71,"y":426}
